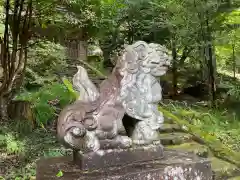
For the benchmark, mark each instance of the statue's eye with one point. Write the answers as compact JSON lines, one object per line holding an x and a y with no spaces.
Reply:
{"x":154,"y":62}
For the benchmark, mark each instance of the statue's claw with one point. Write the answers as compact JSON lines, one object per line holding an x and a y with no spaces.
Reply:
{"x":79,"y":132}
{"x":124,"y":141}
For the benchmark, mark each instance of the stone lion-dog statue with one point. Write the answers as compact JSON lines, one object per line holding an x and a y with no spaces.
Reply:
{"x":95,"y":120}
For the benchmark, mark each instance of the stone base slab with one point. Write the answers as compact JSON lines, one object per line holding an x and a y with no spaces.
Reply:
{"x":175,"y":165}
{"x":118,"y":157}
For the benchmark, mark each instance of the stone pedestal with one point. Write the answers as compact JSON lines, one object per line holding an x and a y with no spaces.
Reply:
{"x":118,"y":157}
{"x":174,"y":165}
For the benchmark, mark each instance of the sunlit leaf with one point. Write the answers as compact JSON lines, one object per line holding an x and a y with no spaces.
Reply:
{"x":59,"y":174}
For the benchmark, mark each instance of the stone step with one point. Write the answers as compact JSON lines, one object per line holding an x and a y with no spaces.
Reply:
{"x":223,"y":169}
{"x":193,"y":147}
{"x":169,"y":128}
{"x":175,"y":138}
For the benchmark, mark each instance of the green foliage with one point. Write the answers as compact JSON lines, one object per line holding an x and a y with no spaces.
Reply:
{"x":213,"y":129}
{"x":23,"y":126}
{"x":234,"y":92}
{"x":2,"y":140}
{"x":211,"y":123}
{"x":14,"y":146}
{"x":2,"y":26}
{"x":45,"y":60}
{"x":47,"y":101}
{"x":231,"y":84}
{"x":96,"y":67}
{"x":52,"y":153}
{"x":228,"y":40}
{"x":24,"y":150}
{"x":69,"y":86}
{"x":59,"y":174}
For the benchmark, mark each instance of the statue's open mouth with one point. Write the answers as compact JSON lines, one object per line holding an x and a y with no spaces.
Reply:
{"x":164,"y":66}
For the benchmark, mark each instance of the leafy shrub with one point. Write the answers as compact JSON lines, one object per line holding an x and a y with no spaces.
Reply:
{"x":49,"y":100}
{"x":219,"y":124}
{"x":45,"y":59}
{"x":235,"y":92}
{"x":14,"y":146}
{"x":23,"y":127}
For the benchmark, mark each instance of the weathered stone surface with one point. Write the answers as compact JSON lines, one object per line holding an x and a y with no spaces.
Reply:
{"x":223,"y":169}
{"x":174,"y":165}
{"x":175,"y":138}
{"x":118,"y":157}
{"x":193,"y":147}
{"x":169,"y":128}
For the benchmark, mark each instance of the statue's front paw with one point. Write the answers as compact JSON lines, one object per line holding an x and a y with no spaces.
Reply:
{"x":92,"y":142}
{"x":143,"y":134}
{"x":124,"y":141}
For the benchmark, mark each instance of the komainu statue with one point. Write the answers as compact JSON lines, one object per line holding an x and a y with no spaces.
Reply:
{"x":95,"y":120}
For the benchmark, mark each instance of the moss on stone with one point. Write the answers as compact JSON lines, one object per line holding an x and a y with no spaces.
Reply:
{"x":223,"y":169}
{"x":235,"y":178}
{"x":193,"y":147}
{"x":168,"y":128}
{"x":175,"y":138}
{"x":217,"y":148}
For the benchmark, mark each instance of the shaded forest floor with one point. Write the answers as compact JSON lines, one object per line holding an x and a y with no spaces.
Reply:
{"x":213,"y":133}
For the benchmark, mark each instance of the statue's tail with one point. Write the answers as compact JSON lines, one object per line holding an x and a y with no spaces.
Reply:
{"x":87,"y":90}
{"x":74,"y":124}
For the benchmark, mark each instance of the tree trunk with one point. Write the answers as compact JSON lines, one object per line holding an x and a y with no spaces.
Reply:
{"x":210,"y":60}
{"x":3,"y":108}
{"x":234,"y":61}
{"x":21,"y":110}
{"x":13,"y":62}
{"x":174,"y":68}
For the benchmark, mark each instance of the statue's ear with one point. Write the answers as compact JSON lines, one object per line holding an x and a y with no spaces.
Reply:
{"x":130,"y":58}
{"x":142,"y":49}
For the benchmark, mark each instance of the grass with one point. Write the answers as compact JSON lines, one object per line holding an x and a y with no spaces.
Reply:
{"x":19,"y":152}
{"x":222,"y":123}
{"x":217,"y":129}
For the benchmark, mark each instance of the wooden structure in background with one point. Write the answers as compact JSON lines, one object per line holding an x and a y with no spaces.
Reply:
{"x":76,"y":49}
{"x":75,"y":42}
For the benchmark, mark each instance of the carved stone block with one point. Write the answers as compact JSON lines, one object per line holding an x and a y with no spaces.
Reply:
{"x":118,"y":157}
{"x":175,"y":165}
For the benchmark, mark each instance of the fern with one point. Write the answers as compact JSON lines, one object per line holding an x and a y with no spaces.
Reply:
{"x":43,"y":100}
{"x":2,"y":140}
{"x":14,"y":146}
{"x":209,"y":128}
{"x":69,"y":86}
